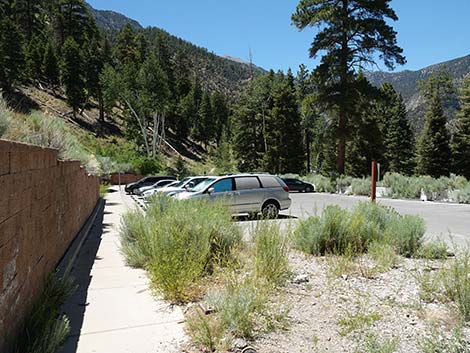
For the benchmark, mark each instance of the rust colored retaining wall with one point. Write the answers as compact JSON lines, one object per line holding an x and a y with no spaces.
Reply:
{"x":43,"y":204}
{"x":125,"y":178}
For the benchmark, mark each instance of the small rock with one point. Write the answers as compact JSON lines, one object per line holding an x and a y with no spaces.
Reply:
{"x":240,"y":343}
{"x":300,"y":279}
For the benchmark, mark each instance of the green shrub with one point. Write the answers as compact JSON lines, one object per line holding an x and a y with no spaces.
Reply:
{"x":4,"y":118}
{"x":361,"y":186}
{"x":357,"y":321}
{"x":436,"y":250}
{"x":53,"y":132}
{"x":343,"y":182}
{"x":239,"y":305}
{"x":449,"y":283}
{"x":383,"y":254}
{"x":373,"y":344}
{"x":456,"y":283}
{"x":271,"y":252}
{"x":406,"y":234}
{"x":400,"y":186}
{"x":463,"y":195}
{"x":147,"y":166}
{"x":338,"y":230}
{"x":46,"y":329}
{"x":436,"y":343}
{"x":135,"y":243}
{"x":178,"y":242}
{"x":321,"y":183}
{"x":205,"y":330}
{"x":457,"y":182}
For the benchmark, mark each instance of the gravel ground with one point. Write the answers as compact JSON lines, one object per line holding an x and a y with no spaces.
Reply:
{"x":391,"y":300}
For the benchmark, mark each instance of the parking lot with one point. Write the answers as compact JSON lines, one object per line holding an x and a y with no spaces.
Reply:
{"x":449,"y":222}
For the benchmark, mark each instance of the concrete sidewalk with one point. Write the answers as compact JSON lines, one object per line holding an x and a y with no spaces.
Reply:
{"x":113,"y":309}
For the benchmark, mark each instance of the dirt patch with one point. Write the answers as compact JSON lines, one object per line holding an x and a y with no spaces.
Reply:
{"x":341,"y":314}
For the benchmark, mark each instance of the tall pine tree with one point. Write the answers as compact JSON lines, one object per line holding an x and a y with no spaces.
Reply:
{"x":398,"y":135}
{"x":433,"y":146}
{"x":461,"y":139}
{"x":349,"y":33}
{"x":72,"y":79}
{"x":433,"y":149}
{"x":11,"y":54}
{"x":50,"y":66}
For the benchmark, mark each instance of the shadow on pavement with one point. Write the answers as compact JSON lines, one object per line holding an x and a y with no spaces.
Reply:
{"x":81,"y":273}
{"x":260,"y":218}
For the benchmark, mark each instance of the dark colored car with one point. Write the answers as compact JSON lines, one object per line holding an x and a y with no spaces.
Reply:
{"x":298,"y":185}
{"x":147,"y":181}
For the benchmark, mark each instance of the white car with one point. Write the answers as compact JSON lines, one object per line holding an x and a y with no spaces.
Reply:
{"x":182,"y":186}
{"x":157,"y":185}
{"x":151,"y":192}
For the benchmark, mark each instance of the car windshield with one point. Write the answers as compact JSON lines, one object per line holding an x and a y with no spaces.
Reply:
{"x":181,"y":183}
{"x":202,"y":185}
{"x":172,"y":184}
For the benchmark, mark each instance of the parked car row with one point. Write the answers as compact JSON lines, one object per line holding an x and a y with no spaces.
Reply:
{"x":242,"y":193}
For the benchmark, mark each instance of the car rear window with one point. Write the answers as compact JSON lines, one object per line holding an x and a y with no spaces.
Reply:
{"x":246,"y":183}
{"x":269,"y":182}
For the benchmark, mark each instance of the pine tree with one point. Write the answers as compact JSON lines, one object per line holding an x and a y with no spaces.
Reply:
{"x":50,"y":66}
{"x":204,"y":129}
{"x":126,"y":47}
{"x":111,"y":88}
{"x":433,"y":150}
{"x":186,"y":111}
{"x":34,"y":57}
{"x":11,"y":55}
{"x":250,"y":123}
{"x":142,"y":47}
{"x":73,"y":20}
{"x":220,"y":113}
{"x":461,"y":138}
{"x":285,"y":152}
{"x":153,"y":87}
{"x":433,"y":146}
{"x":30,"y":15}
{"x":92,"y":67}
{"x":72,"y":79}
{"x":365,"y":134}
{"x":349,"y":32}
{"x":398,"y":135}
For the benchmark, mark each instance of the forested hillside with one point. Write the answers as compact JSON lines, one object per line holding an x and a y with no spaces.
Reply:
{"x":157,"y":89}
{"x":155,"y":101}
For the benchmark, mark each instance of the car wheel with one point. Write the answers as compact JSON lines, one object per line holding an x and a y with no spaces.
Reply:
{"x":308,"y":189}
{"x":270,"y":210}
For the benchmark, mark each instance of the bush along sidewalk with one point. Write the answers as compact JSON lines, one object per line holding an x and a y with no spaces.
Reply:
{"x":193,"y":253}
{"x":179,"y":243}
{"x":46,"y":328}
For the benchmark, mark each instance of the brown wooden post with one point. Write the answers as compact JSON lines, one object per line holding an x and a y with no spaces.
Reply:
{"x":373,"y":193}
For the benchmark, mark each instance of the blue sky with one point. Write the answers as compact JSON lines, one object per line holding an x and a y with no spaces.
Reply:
{"x":429,"y":31}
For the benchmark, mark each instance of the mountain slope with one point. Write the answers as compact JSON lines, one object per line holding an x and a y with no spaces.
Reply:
{"x":110,"y":20}
{"x":406,"y":83}
{"x":215,"y":72}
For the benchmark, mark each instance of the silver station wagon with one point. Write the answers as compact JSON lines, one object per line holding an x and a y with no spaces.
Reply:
{"x":244,"y":193}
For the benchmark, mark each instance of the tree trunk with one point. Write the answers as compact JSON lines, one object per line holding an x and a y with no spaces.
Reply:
{"x":101,"y":106}
{"x":307,"y":143}
{"x":341,"y":143}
